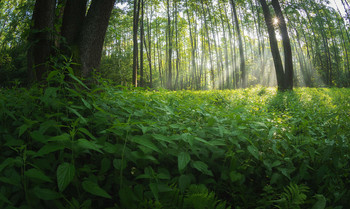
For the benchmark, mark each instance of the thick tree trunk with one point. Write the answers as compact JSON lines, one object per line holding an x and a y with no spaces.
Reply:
{"x":93,"y":34}
{"x":41,"y":39}
{"x":288,"y":58}
{"x":73,"y":18}
{"x":274,"y":47}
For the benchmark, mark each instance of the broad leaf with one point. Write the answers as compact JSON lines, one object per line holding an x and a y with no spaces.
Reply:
{"x":254,"y":151}
{"x":95,"y":189}
{"x":60,"y":138}
{"x":146,"y":143}
{"x":4,"y":199}
{"x":202,"y":167}
{"x":321,"y":202}
{"x":65,"y":174}
{"x":37,"y":174}
{"x":184,"y":182}
{"x":85,"y":144}
{"x":77,"y":114}
{"x":46,"y":194}
{"x":49,"y":148}
{"x":182,"y":160}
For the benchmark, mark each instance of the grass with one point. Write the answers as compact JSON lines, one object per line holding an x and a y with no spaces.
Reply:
{"x":69,"y":146}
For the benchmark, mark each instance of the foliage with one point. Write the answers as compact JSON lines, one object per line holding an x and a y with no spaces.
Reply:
{"x":68,"y":145}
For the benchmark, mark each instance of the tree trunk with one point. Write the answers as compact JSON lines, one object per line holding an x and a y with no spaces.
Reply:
{"x":240,"y":42}
{"x":135,"y":51}
{"x":170,"y":48}
{"x":288,"y":58}
{"x":193,"y":49}
{"x":177,"y":47}
{"x":274,"y":47}
{"x":227,"y":70}
{"x":212,"y":75}
{"x":149,"y":50}
{"x":93,"y":34}
{"x":41,"y":39}
{"x":142,"y":84}
{"x":73,"y":18}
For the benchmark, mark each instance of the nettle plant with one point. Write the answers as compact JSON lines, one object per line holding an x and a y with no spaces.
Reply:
{"x":68,"y":145}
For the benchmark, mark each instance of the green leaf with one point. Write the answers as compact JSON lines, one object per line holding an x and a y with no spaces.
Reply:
{"x":79,"y":81}
{"x":49,"y":148}
{"x":202,"y":167}
{"x":38,"y":136}
{"x":88,"y":105}
{"x":85,"y":144}
{"x":162,"y":138}
{"x":85,"y":131}
{"x":4,"y":199}
{"x":37,"y":174}
{"x":236,"y":176}
{"x":321,"y":202}
{"x":95,"y":189}
{"x":12,"y":180}
{"x":6,"y":163}
{"x":184,"y":182}
{"x":202,"y":140}
{"x":52,"y":74}
{"x":145,"y":142}
{"x":77,"y":114}
{"x":65,"y":174}
{"x":22,"y":129}
{"x":254,"y":151}
{"x":46,"y":194}
{"x":182,"y":160}
{"x":60,"y":138}
{"x":154,"y":190}
{"x":105,"y":165}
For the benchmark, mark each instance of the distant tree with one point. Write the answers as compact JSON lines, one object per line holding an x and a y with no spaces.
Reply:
{"x":136,"y":16}
{"x":241,"y":50}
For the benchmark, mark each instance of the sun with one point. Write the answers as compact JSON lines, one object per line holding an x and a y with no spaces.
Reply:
{"x":275,"y":21}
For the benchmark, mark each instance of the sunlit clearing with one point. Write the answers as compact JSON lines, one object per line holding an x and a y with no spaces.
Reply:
{"x":275,"y":21}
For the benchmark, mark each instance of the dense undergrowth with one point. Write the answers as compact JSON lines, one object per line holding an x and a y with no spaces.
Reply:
{"x":70,"y":146}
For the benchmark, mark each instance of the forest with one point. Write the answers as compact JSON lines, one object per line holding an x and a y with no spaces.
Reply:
{"x":166,"y":104}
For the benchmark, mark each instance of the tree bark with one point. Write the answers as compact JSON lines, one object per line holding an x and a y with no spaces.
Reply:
{"x":212,"y":75}
{"x":93,"y":34}
{"x":170,"y":49}
{"x":288,"y":58}
{"x":135,"y":51}
{"x":73,"y":18}
{"x":274,"y":47}
{"x":240,"y":43}
{"x":142,"y":84}
{"x":41,"y":39}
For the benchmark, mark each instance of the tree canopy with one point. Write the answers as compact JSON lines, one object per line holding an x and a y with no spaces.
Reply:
{"x":207,"y":44}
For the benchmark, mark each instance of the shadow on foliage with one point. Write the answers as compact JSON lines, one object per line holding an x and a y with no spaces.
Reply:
{"x":284,"y":101}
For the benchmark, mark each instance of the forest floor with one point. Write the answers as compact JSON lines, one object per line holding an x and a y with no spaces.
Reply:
{"x":70,"y":146}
